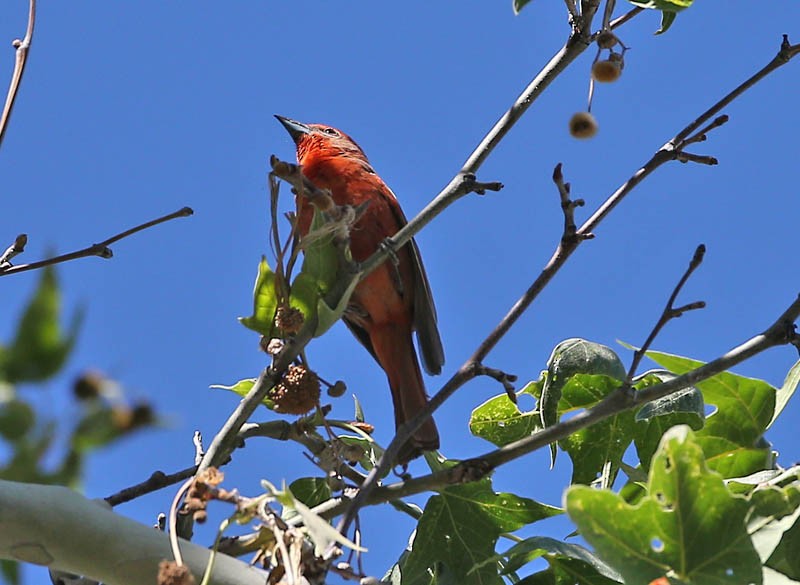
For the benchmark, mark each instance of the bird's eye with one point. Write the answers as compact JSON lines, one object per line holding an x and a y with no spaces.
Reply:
{"x":330,"y":131}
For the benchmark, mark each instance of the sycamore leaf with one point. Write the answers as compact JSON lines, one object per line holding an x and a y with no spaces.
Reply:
{"x":597,"y":449}
{"x":668,"y":8}
{"x":312,"y":491}
{"x":556,"y":552}
{"x":654,"y":418}
{"x":785,"y":392}
{"x":688,"y":525}
{"x":242,"y":388}
{"x":501,"y":422}
{"x":459,"y":529}
{"x":732,"y":436}
{"x":570,"y":357}
{"x":265,"y":301}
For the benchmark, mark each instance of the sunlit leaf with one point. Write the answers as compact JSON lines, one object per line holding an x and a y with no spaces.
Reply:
{"x":459,"y":529}
{"x":785,"y":392}
{"x":570,"y":357}
{"x":732,"y":435}
{"x":265,"y":301}
{"x":596,"y":449}
{"x":500,"y":421}
{"x":688,"y":524}
{"x":654,"y":418}
{"x":312,"y":491}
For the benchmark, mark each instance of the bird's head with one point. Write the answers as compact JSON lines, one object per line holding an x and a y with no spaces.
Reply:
{"x":319,"y":140}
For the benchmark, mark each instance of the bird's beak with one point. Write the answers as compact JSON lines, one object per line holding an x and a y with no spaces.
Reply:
{"x":295,"y":129}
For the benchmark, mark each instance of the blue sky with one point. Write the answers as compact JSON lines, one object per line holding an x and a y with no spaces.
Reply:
{"x":131,"y":110}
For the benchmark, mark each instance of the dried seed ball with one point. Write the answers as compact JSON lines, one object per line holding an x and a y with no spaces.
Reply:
{"x":297,"y":392}
{"x":583,"y":125}
{"x":606,"y":71}
{"x":289,"y":319}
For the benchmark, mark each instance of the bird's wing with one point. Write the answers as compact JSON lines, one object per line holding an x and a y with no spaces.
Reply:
{"x":430,"y":343}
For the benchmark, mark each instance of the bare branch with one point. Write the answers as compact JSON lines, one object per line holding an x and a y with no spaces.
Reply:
{"x":158,"y":480}
{"x":670,"y":312}
{"x":23,"y":47}
{"x":669,"y":152}
{"x":568,"y":206}
{"x":102,"y":249}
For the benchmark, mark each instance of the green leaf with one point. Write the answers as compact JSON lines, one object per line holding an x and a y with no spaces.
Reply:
{"x":786,"y":556}
{"x":318,"y":276}
{"x":312,"y":491}
{"x":567,"y":571}
{"x":688,"y":524}
{"x":597,"y":449}
{"x":459,"y":529}
{"x":555,"y":552}
{"x":242,"y":388}
{"x":767,"y":527}
{"x":265,"y":301}
{"x":519,"y":5}
{"x":668,"y":8}
{"x":500,"y":421}
{"x":785,"y":392}
{"x":654,"y":418}
{"x":320,"y":256}
{"x":731,"y":437}
{"x":570,"y":357}
{"x":667,"y":18}
{"x":40,"y":348}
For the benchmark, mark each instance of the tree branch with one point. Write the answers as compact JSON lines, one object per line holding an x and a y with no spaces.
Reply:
{"x":670,"y":312}
{"x":102,"y":249}
{"x":670,"y":151}
{"x":22,"y":48}
{"x":56,"y":527}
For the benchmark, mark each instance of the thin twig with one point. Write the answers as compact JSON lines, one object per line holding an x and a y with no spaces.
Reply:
{"x":564,"y":250}
{"x":173,"y":520}
{"x":781,"y":332}
{"x":670,"y":312}
{"x":568,"y":206}
{"x":607,"y":14}
{"x":22,"y":49}
{"x":102,"y":249}
{"x":158,"y":480}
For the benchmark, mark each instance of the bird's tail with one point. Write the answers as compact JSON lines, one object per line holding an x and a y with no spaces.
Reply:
{"x":395,"y":351}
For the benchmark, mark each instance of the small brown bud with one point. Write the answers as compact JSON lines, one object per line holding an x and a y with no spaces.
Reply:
{"x":583,"y":125}
{"x":606,"y":71}
{"x":338,"y":389}
{"x":363,"y":426}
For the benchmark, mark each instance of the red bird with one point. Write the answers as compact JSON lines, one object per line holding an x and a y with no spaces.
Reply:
{"x":395,"y":298}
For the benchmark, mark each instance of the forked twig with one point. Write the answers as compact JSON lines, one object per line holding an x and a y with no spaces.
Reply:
{"x":102,"y":249}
